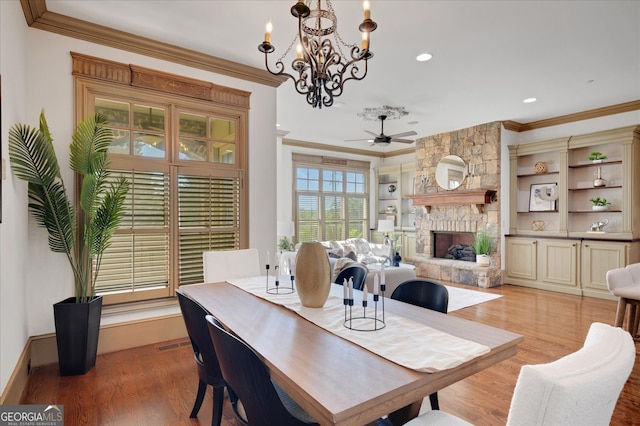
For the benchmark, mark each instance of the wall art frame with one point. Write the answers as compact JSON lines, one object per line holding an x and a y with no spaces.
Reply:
{"x":541,"y":197}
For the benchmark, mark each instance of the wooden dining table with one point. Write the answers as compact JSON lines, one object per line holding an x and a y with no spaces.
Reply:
{"x":334,"y":380}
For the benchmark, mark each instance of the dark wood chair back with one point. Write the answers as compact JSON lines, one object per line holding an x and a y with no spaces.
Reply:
{"x":259,"y":403}
{"x":426,"y":294}
{"x":209,"y":372}
{"x":357,"y":271}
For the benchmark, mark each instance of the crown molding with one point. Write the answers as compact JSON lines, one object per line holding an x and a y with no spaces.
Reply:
{"x":37,"y":16}
{"x":333,"y":148}
{"x":569,"y":118}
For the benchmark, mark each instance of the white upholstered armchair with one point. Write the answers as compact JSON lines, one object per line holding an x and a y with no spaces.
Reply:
{"x":581,"y":388}
{"x":625,"y":284}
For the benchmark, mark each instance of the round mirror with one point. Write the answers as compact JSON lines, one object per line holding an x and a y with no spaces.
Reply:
{"x":450,"y":172}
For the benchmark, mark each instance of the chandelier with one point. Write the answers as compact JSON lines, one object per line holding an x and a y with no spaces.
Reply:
{"x":320,"y":68}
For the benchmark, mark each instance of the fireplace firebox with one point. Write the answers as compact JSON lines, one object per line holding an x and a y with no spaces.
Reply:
{"x":453,"y":245}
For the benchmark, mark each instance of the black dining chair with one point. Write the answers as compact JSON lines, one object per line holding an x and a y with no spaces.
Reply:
{"x":426,"y":294}
{"x":208,"y":368}
{"x":357,"y":271}
{"x":260,"y":401}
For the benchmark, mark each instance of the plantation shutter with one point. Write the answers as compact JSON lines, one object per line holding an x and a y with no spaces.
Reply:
{"x":209,"y":217}
{"x":138,"y":258}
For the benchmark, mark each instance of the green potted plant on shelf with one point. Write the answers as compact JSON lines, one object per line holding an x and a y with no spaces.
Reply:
{"x":600,"y":204}
{"x":482,"y":246}
{"x":83,"y":233}
{"x":597,"y":157}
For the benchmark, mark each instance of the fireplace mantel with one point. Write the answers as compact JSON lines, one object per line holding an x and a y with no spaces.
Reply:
{"x":476,"y":198}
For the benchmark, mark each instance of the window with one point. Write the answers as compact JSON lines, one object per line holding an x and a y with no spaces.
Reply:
{"x":185,"y":160}
{"x":331,"y":198}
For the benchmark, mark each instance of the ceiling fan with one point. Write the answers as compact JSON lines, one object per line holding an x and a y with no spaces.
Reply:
{"x":383,"y":139}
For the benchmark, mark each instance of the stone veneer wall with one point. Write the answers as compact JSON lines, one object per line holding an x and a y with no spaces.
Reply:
{"x":479,"y":147}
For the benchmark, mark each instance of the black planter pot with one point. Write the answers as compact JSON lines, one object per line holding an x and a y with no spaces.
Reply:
{"x":77,"y":330}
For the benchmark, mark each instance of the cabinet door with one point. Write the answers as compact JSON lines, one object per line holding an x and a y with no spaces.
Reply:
{"x":408,"y":244}
{"x":557,"y":262}
{"x":597,"y":258}
{"x":521,"y":260}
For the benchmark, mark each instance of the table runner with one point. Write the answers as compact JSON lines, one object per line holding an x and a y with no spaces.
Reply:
{"x":403,"y":341}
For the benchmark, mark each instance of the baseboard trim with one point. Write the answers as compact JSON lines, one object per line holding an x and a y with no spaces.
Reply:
{"x":18,"y":381}
{"x":41,"y":350}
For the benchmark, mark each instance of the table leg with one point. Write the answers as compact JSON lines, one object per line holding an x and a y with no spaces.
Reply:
{"x":403,"y":415}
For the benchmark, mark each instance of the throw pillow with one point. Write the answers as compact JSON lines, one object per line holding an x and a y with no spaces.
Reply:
{"x":341,"y":264}
{"x":361,"y":245}
{"x":335,"y":253}
{"x":349,"y":251}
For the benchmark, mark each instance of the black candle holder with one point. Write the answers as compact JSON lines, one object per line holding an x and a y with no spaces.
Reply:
{"x":366,"y":322}
{"x":276,"y":288}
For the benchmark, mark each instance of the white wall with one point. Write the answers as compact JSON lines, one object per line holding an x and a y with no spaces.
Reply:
{"x":13,"y":230}
{"x":42,"y":60}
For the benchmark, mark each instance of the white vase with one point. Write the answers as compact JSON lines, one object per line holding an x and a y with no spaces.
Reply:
{"x":599,"y":208}
{"x":483,"y":259}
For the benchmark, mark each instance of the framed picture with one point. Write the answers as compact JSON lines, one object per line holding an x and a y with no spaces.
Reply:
{"x":542,"y":197}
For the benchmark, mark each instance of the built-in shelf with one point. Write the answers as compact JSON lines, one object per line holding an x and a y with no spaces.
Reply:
{"x":476,"y":198}
{"x":538,"y":174}
{"x":591,"y":188}
{"x":604,"y":163}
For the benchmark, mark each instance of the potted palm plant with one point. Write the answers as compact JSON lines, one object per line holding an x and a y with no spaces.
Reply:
{"x":482,"y":246}
{"x":99,"y":211}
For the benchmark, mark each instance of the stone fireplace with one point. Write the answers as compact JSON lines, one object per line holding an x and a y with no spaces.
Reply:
{"x":449,"y":217}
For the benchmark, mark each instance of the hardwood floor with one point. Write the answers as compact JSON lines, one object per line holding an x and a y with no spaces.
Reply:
{"x":156,"y":384}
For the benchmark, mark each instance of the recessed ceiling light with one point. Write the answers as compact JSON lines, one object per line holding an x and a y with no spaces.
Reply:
{"x":277,"y":125}
{"x":424,"y":57}
{"x":529,"y":100}
{"x":412,"y":122}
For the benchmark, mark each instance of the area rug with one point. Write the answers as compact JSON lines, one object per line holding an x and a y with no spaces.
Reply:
{"x":461,"y":298}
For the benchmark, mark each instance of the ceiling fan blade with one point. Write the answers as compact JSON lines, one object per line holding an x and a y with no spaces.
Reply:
{"x":375,"y":135}
{"x":402,"y":140}
{"x":358,"y":140}
{"x":409,"y":133}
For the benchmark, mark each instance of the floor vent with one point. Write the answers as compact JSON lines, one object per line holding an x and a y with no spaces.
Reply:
{"x":174,"y":345}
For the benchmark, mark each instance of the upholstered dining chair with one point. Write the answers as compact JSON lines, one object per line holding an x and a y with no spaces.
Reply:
{"x":228,"y":264}
{"x":625,"y":284}
{"x":205,"y":356}
{"x":260,"y":402}
{"x":426,"y":294}
{"x":581,"y":388}
{"x":355,"y":270}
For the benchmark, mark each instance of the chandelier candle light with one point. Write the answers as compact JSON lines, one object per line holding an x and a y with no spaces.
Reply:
{"x":322,"y":68}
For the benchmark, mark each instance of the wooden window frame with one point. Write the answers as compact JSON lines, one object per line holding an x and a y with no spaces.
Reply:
{"x":98,"y":78}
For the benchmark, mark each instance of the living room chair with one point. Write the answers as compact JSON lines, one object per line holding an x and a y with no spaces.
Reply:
{"x":357,"y":271}
{"x":224,"y":265}
{"x":260,"y":401}
{"x":625,"y":284}
{"x":426,"y":294}
{"x":581,"y":388}
{"x":209,"y":372}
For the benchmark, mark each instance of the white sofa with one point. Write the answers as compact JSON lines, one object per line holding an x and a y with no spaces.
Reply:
{"x":365,"y":252}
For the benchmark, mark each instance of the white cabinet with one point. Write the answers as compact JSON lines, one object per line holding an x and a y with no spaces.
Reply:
{"x":597,"y":258}
{"x":544,"y":263}
{"x":556,"y":240}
